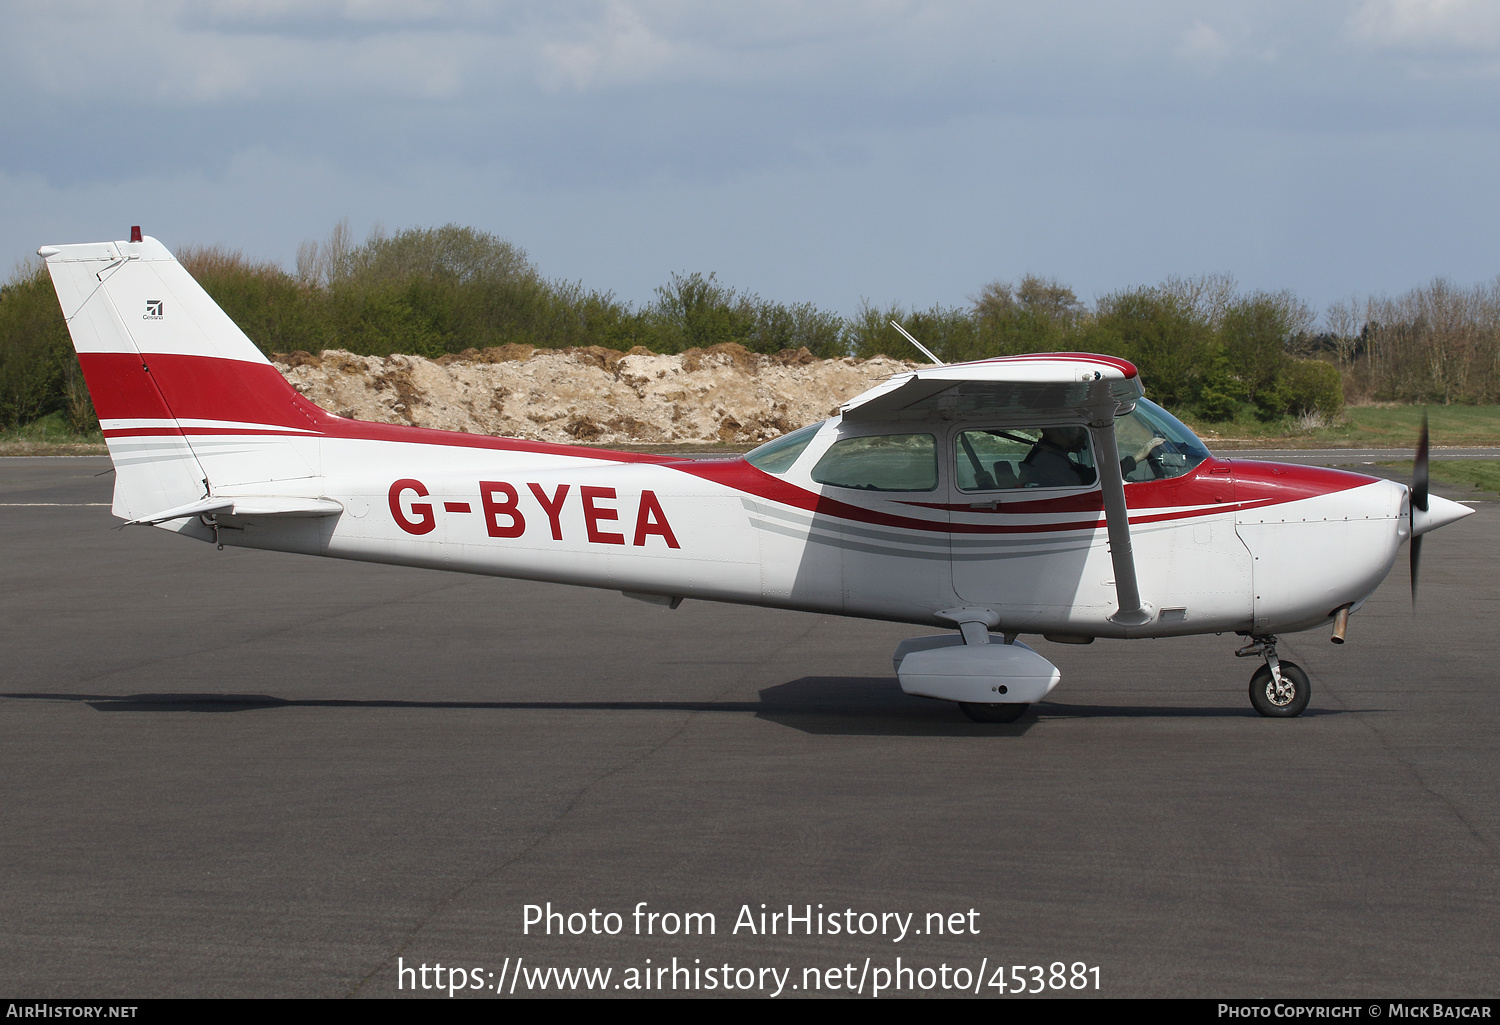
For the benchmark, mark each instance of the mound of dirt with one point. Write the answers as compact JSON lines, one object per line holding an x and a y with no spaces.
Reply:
{"x":598,"y":396}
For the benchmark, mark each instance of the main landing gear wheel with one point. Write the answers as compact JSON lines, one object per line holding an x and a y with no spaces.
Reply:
{"x":1283,"y":702}
{"x":980,"y":712}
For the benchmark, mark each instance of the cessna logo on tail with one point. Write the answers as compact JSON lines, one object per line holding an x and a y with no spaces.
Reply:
{"x":153,"y":310}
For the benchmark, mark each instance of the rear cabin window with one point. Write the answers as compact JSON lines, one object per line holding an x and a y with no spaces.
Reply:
{"x":880,"y":462}
{"x":778,"y":456}
{"x":1005,"y":458}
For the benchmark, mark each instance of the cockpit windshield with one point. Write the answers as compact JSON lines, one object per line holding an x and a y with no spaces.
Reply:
{"x":1155,"y":445}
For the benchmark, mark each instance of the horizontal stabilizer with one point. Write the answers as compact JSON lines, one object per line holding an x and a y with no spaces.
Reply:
{"x":202,"y":507}
{"x":293,"y":507}
{"x":255,"y":506}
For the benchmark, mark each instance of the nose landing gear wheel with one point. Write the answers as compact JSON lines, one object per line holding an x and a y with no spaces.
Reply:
{"x":981,"y":712}
{"x":1283,"y":702}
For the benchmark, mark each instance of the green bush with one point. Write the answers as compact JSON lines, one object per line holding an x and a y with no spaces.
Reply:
{"x":869,"y":333}
{"x":1254,"y":336}
{"x":1217,"y":405}
{"x":694,"y":312}
{"x":38,"y":371}
{"x":949,"y":332}
{"x":269,"y":305}
{"x":1160,"y":334}
{"x":1304,"y":386}
{"x":1036,"y":315}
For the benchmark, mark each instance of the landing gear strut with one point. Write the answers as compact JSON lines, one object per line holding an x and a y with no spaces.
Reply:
{"x":1278,"y":689}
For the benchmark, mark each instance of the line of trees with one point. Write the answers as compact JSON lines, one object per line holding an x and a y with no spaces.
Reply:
{"x":1435,"y":344}
{"x":1204,"y":347}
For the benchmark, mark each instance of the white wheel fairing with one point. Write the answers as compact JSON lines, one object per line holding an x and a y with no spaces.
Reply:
{"x":983,"y":674}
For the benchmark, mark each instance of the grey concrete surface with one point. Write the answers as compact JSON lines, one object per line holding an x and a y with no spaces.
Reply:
{"x":240,"y":773}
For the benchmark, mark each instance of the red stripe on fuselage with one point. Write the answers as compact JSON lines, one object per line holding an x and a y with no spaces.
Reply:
{"x":743,"y":477}
{"x":1267,"y":484}
{"x":1260,"y":483}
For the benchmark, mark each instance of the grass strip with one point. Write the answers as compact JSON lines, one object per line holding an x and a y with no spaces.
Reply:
{"x":1361,"y":427}
{"x":1481,"y":474}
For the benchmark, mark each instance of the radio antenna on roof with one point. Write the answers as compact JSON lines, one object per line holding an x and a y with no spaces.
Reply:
{"x":918,"y":344}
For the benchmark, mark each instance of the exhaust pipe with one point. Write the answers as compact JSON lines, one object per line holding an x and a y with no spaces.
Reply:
{"x":1340,"y":624}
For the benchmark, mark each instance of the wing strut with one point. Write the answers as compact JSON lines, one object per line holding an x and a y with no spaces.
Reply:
{"x":1133,"y":612}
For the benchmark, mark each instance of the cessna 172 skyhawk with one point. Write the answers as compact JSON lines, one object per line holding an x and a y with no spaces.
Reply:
{"x":1034,"y":494}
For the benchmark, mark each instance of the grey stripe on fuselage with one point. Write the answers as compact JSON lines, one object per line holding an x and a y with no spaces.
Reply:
{"x":826,"y":530}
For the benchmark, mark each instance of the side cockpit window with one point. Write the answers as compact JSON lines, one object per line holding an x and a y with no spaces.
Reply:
{"x":1006,"y":458}
{"x":880,"y":462}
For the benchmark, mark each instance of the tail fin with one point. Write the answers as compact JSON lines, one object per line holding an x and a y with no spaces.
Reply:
{"x":188,"y":404}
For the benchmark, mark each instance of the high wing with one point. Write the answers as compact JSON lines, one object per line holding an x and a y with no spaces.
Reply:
{"x":1058,"y":387}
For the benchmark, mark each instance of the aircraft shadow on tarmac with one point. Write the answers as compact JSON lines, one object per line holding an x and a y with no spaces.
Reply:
{"x":876,"y":706}
{"x":827,"y":705}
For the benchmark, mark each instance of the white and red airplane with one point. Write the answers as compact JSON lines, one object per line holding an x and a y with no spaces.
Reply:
{"x":1034,"y":494}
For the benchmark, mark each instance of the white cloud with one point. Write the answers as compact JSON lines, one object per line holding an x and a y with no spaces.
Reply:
{"x":184,"y":53}
{"x":1202,"y":45}
{"x":181,"y":55}
{"x":619,"y":48}
{"x":1428,"y":27}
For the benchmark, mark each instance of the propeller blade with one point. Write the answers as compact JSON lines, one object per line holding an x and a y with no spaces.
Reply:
{"x":1419,"y":493}
{"x":1419,"y":471}
{"x":1416,"y":562}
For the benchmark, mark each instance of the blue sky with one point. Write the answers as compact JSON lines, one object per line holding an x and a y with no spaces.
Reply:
{"x":828,"y":152}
